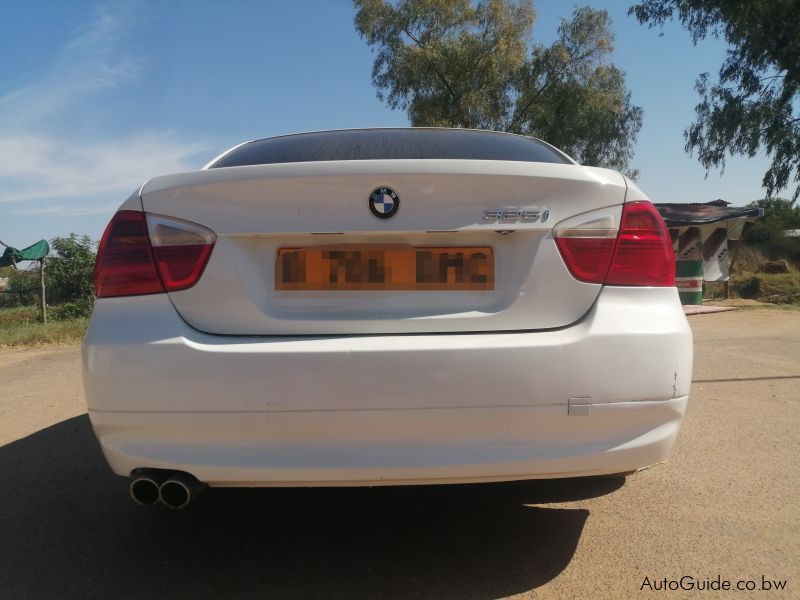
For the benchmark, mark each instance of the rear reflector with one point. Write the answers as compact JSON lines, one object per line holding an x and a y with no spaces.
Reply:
{"x":130,"y":262}
{"x":638,"y":252}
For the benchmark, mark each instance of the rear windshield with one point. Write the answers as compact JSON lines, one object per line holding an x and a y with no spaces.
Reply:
{"x":374,"y":144}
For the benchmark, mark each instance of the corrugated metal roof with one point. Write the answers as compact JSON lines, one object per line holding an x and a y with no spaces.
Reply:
{"x":701,"y":213}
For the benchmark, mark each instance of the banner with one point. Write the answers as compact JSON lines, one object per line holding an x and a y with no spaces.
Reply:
{"x":715,"y":252}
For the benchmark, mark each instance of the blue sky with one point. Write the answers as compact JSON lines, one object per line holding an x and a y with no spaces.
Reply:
{"x":95,"y":98}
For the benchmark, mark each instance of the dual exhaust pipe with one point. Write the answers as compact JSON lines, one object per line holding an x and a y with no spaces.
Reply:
{"x":174,"y":490}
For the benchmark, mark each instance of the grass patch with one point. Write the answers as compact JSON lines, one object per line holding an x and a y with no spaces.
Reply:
{"x":21,"y":327}
{"x":774,"y":288}
{"x":778,"y":288}
{"x":780,"y":307}
{"x":22,"y":315}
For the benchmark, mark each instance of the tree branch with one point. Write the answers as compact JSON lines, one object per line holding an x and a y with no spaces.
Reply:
{"x":573,"y":60}
{"x":442,"y":77}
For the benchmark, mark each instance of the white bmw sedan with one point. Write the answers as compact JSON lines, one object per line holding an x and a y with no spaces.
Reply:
{"x":382,"y":307}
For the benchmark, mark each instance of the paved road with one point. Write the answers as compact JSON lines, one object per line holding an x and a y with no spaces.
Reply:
{"x":725,"y":504}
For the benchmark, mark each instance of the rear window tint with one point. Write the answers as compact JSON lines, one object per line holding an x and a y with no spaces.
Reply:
{"x":375,"y":144}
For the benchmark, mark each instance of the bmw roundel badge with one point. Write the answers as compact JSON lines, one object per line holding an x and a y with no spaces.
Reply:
{"x":384,"y":203}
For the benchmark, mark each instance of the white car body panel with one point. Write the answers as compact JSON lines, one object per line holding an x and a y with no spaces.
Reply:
{"x":239,"y":384}
{"x":372,"y":410}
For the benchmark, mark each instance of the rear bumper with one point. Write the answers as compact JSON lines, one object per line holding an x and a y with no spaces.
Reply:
{"x":456,"y":445}
{"x":389,"y":409}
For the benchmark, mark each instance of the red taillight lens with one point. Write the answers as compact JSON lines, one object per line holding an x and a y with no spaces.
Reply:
{"x":148,"y":254}
{"x":125,"y":265}
{"x":643,"y":254}
{"x":586,"y":243}
{"x":180,"y":267}
{"x":638,"y":254}
{"x":587,"y":258}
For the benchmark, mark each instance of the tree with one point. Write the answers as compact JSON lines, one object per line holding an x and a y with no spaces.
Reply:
{"x":69,"y":274}
{"x":754,"y":103}
{"x":767,"y":233}
{"x":466,"y":63}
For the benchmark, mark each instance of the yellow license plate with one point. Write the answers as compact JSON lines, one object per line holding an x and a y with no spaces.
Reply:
{"x":384,"y":267}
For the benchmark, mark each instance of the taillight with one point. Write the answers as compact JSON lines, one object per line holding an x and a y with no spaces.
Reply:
{"x":150,"y":254}
{"x":181,"y":250}
{"x":644,"y":254}
{"x":637,"y":253}
{"x":125,"y":265}
{"x":586,"y":243}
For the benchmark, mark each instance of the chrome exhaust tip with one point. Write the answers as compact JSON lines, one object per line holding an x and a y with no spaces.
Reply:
{"x":179,"y":490}
{"x":144,"y":490}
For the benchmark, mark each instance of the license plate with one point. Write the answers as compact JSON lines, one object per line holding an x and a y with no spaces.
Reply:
{"x":384,"y":267}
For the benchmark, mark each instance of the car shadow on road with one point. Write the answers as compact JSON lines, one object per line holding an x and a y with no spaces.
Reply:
{"x":68,"y":529}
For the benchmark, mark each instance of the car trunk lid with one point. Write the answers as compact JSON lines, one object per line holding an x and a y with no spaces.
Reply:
{"x":485,"y":228}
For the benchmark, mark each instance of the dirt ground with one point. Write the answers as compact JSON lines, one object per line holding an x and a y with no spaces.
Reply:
{"x":726,"y":504}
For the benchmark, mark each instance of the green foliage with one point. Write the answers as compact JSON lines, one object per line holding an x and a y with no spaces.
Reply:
{"x":465,"y":63}
{"x":71,"y":310}
{"x":22,"y":289}
{"x":755,"y":103}
{"x":749,"y":287}
{"x":767,"y":233}
{"x":68,"y":274}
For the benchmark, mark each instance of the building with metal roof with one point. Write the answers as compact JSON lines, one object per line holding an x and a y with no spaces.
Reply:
{"x":706,"y":237}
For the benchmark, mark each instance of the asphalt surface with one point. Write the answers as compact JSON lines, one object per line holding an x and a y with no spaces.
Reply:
{"x":726,"y":504}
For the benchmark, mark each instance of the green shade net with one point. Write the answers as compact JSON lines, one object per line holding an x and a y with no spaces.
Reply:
{"x":35,"y":251}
